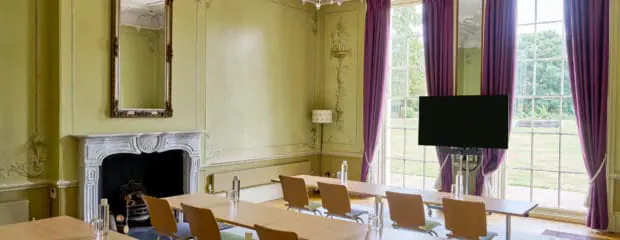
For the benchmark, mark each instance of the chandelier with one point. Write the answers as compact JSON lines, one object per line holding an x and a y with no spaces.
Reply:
{"x":319,"y":3}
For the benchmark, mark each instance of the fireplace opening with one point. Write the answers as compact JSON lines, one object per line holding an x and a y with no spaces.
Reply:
{"x":125,"y":178}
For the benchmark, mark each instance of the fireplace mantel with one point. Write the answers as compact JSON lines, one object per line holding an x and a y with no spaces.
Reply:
{"x":93,"y":149}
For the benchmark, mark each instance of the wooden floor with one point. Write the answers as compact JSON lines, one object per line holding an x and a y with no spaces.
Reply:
{"x":522,"y":228}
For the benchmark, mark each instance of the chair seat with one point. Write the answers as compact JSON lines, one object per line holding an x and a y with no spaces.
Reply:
{"x":313,"y":206}
{"x":231,"y":236}
{"x":355,"y":213}
{"x":224,"y":226}
{"x":429,"y":225}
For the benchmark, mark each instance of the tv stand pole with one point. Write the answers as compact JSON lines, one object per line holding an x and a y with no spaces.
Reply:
{"x":466,"y":153}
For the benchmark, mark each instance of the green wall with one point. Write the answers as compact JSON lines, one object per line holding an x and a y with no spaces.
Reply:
{"x":469,"y":69}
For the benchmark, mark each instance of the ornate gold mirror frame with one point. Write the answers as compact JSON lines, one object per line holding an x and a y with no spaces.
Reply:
{"x":164,"y":109}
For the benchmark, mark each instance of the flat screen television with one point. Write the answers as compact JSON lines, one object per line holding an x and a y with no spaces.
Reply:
{"x":464,"y":121}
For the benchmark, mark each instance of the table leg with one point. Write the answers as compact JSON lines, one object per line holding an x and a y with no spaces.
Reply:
{"x":508,"y":227}
{"x":379,"y":210}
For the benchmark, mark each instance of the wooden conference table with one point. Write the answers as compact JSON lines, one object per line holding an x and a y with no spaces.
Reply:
{"x":492,"y":205}
{"x":246,"y":214}
{"x":65,"y":228}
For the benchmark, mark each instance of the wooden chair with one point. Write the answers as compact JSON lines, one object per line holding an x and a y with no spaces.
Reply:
{"x":163,"y":220}
{"x":335,"y":199}
{"x":272,"y":234}
{"x":296,"y":195}
{"x":407,"y":211}
{"x":202,"y":224}
{"x":466,"y":220}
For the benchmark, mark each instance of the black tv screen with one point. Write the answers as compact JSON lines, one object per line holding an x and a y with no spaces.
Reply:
{"x":464,"y":121}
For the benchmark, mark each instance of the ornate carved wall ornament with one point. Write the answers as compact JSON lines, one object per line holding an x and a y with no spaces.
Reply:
{"x":34,"y":166}
{"x":340,"y":50}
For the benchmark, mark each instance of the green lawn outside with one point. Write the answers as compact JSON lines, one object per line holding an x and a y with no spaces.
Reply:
{"x":546,"y":156}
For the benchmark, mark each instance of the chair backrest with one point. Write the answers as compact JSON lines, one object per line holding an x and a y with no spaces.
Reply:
{"x":202,"y":223}
{"x":465,"y":219}
{"x":162,"y":217}
{"x":406,"y":210}
{"x":272,"y":234}
{"x":294,"y":191}
{"x":335,"y":198}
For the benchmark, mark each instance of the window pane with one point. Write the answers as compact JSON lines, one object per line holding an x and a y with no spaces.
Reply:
{"x":549,"y":40}
{"x":432,"y":167}
{"x":572,"y":160}
{"x":522,"y":115}
{"x":518,"y":185}
{"x":525,"y":78}
{"x":429,"y":185}
{"x":568,"y":110}
{"x":567,"y":87}
{"x":412,"y":150}
{"x":431,"y":155}
{"x":525,"y":45}
{"x":415,"y":182}
{"x":397,"y":165}
{"x":397,"y":143}
{"x":396,"y":107}
{"x":412,"y":109}
{"x":547,"y":109}
{"x":413,"y":168}
{"x":574,"y":190}
{"x":399,"y":53}
{"x":526,"y":10}
{"x":550,"y":10}
{"x":399,"y":83}
{"x":520,"y":150}
{"x":548,"y":77}
{"x":545,"y":189}
{"x":546,"y":152}
{"x":396,"y":179}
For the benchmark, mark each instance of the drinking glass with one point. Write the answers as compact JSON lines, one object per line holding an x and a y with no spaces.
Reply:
{"x":96,"y":229}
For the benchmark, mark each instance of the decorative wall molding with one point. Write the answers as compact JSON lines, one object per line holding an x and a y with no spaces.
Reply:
{"x":93,"y":149}
{"x":207,"y":3}
{"x":34,"y":166}
{"x":340,"y":50}
{"x":62,"y":184}
{"x":343,"y":154}
{"x":24,"y":185}
{"x":261,"y":158}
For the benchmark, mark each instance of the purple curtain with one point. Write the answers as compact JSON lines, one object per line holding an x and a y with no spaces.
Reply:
{"x":498,"y":68}
{"x":376,"y":50}
{"x":438,"y":27}
{"x":587,"y":44}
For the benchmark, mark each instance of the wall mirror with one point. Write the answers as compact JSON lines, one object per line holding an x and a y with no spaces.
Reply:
{"x":469,"y":47}
{"x":141,"y":55}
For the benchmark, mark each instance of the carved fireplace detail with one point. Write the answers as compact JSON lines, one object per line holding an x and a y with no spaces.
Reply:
{"x":93,"y":149}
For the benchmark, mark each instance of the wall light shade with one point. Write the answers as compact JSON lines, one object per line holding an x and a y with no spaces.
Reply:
{"x":322,"y":116}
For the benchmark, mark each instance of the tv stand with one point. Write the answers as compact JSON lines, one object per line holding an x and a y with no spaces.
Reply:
{"x":473,"y":160}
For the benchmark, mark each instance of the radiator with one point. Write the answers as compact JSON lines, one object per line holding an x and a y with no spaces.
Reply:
{"x":14,"y":212}
{"x":256,"y":183}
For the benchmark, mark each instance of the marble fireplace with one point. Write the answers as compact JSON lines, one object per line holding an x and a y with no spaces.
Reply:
{"x":94,"y":150}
